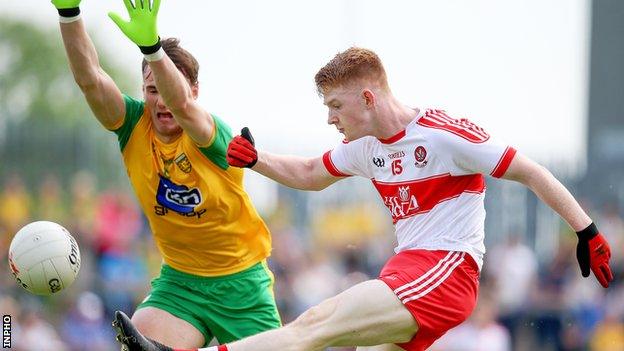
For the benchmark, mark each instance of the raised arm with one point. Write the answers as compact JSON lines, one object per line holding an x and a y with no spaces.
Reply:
{"x":292,"y":171}
{"x":180,"y":99}
{"x":593,"y":251}
{"x":100,"y":91}
{"x":176,"y":91}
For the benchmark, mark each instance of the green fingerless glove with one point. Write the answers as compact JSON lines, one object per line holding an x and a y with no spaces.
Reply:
{"x":67,"y":8}
{"x":141,"y":28}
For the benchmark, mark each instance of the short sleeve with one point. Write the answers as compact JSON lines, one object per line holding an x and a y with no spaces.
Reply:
{"x":217,"y":148}
{"x":348,"y":159}
{"x":466,"y":147}
{"x":134,"y":111}
{"x":491,"y":157}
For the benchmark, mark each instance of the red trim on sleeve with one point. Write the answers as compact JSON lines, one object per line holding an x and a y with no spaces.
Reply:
{"x":504,"y":162}
{"x":331,"y":168}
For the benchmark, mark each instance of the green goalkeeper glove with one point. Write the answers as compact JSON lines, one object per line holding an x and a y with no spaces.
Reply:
{"x":66,"y":4}
{"x":67,"y":8}
{"x":141,"y":28}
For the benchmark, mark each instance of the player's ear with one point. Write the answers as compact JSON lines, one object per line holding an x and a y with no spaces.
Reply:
{"x":369,"y":98}
{"x":195,"y":91}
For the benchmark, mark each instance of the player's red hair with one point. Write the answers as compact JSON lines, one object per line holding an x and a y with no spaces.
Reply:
{"x":350,"y":66}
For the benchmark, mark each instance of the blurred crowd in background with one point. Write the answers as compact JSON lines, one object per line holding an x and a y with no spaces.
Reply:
{"x":532,"y":295}
{"x":526,"y":302}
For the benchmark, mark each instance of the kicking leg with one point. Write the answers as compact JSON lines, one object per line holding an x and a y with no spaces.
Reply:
{"x":366,"y":314}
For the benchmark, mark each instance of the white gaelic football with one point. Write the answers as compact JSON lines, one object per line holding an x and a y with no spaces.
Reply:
{"x":44,"y":258}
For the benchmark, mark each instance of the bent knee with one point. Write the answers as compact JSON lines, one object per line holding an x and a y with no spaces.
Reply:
{"x":315,"y":316}
{"x":315,"y":323}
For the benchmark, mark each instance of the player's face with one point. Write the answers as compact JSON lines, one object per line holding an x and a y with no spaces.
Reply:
{"x":164,"y":124}
{"x":347,"y":111}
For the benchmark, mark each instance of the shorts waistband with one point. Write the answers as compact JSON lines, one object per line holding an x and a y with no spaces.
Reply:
{"x":174,"y":273}
{"x":471,"y":261}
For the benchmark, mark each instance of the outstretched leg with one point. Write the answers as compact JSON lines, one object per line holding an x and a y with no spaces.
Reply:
{"x":366,"y":314}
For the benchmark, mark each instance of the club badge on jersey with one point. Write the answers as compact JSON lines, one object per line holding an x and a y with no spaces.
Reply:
{"x":183,"y":163}
{"x":420,"y":155}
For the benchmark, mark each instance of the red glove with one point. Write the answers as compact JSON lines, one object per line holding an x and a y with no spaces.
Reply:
{"x":593,"y":251}
{"x":241,"y":151}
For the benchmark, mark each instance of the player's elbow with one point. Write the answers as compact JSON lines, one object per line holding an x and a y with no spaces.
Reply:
{"x":321,"y":182}
{"x":309,"y":183}
{"x":88,"y":84}
{"x":315,"y":179}
{"x":179,"y":106}
{"x":90,"y":79}
{"x":309,"y":177}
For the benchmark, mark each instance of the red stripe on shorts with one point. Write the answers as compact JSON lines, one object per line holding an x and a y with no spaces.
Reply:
{"x":439,"y":288}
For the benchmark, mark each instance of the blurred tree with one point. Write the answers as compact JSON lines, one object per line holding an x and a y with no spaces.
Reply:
{"x":45,"y":123}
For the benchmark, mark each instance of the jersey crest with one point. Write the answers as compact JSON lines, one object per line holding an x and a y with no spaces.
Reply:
{"x":420,"y":155}
{"x":183,"y":163}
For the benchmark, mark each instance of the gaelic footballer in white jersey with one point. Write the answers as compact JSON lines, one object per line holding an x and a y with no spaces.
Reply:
{"x":430,"y":177}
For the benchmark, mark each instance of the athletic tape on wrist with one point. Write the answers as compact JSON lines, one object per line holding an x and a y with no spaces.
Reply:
{"x":69,"y":19}
{"x":158,"y":55}
{"x":69,"y":15}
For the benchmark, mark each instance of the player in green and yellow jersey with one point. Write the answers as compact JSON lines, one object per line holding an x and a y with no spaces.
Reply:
{"x":214,"y":281}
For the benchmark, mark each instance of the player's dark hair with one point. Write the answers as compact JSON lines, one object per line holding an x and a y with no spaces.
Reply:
{"x":184,"y":61}
{"x":351,"y":65}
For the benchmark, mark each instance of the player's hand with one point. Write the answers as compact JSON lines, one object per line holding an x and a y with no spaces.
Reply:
{"x":241,"y":151}
{"x":593,"y":252}
{"x":141,"y":28}
{"x":66,"y":4}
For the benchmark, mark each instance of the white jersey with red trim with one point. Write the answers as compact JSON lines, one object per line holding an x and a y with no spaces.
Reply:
{"x":430,"y":177}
